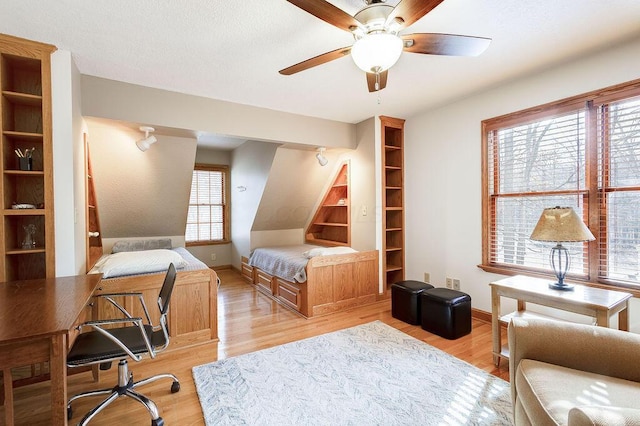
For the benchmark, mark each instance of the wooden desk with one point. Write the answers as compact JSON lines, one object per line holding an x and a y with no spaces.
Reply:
{"x":37,"y":324}
{"x":595,"y":302}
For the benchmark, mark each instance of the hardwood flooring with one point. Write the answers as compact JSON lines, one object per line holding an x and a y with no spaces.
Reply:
{"x":248,"y":321}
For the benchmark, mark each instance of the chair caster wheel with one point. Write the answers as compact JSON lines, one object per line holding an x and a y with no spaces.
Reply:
{"x":175,"y":387}
{"x":157,"y":422}
{"x":69,"y":413}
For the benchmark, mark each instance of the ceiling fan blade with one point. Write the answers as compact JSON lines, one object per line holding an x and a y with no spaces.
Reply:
{"x":382,"y":81}
{"x":409,"y":11}
{"x":445,"y":44}
{"x":327,"y":12}
{"x":316,"y":60}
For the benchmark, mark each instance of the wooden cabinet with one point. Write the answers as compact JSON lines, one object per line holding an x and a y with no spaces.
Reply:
{"x":265,"y":282}
{"x":27,"y":232}
{"x":331,"y":225}
{"x":392,"y":200}
{"x":246,"y":270}
{"x":193,"y":317}
{"x":290,"y":294}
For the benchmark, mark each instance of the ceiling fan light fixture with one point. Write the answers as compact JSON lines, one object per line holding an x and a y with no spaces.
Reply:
{"x":377,"y":52}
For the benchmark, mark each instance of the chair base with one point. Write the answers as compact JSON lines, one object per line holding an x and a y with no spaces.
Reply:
{"x":125,"y":387}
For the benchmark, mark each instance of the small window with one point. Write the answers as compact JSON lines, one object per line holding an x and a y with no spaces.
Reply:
{"x":208,"y":215}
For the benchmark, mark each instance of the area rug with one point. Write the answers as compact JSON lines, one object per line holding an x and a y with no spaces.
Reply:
{"x":371,"y":374}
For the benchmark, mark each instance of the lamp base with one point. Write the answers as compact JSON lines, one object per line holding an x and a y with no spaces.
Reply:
{"x":563,"y":286}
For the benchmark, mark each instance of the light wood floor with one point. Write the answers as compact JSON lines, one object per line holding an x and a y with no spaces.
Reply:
{"x":248,"y":321}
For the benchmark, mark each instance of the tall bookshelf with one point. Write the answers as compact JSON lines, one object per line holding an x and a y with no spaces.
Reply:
{"x":331,"y":225}
{"x":27,"y":231}
{"x":392,"y":200}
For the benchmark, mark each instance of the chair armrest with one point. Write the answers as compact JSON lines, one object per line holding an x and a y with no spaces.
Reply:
{"x":582,"y":347}
{"x":603,"y":416}
{"x":131,"y":320}
{"x":119,"y":294}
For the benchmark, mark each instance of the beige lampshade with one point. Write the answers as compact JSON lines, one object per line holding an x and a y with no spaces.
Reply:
{"x":561,"y":224}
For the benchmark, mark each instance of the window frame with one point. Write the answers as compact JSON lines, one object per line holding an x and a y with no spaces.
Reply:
{"x":593,"y":203}
{"x":226,"y":217}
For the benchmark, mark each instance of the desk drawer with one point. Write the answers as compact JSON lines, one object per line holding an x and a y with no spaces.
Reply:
{"x":85,"y":315}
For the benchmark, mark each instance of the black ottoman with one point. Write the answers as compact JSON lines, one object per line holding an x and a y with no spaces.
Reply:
{"x":446,"y":312}
{"x":405,"y":300}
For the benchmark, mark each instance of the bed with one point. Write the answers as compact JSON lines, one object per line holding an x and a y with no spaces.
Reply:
{"x":193,"y":306}
{"x":314,"y":280}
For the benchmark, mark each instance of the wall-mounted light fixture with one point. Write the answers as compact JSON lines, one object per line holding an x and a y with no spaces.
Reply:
{"x":242,"y":188}
{"x":321,"y":158}
{"x":144,"y":144}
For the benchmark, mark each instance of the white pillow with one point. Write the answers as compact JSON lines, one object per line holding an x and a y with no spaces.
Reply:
{"x":138,"y":262}
{"x":325,"y":251}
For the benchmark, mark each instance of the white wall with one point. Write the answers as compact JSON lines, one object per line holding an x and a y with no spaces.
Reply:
{"x":443,"y":160}
{"x":68,"y":168}
{"x":365,"y":219}
{"x":250,"y":166}
{"x":278,"y":237}
{"x":129,"y":102}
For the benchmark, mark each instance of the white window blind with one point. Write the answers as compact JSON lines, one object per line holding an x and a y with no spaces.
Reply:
{"x":582,"y":152}
{"x":619,"y":185}
{"x":530,"y":167}
{"x":207,"y":206}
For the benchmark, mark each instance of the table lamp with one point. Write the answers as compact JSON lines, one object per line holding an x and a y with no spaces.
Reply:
{"x":560,"y":225}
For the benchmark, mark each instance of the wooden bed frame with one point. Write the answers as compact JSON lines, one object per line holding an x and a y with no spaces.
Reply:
{"x":193,"y":313}
{"x":334,"y":283}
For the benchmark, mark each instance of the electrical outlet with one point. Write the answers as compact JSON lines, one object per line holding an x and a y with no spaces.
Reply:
{"x":449,"y":283}
{"x":427,"y":277}
{"x":213,"y":256}
{"x":456,"y":284}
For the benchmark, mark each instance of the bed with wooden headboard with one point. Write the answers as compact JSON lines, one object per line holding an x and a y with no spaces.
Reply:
{"x":328,"y":282}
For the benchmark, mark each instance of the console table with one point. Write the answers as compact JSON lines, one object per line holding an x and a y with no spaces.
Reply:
{"x":38,"y":320}
{"x":595,"y":302}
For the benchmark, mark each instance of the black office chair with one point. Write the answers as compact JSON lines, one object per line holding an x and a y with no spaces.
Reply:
{"x":102,"y":346}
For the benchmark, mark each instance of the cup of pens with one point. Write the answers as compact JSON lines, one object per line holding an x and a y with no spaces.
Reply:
{"x":25,"y":161}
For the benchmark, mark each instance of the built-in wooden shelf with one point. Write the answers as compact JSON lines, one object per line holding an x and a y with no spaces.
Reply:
{"x":392,"y":200}
{"x":25,"y":88}
{"x":331,"y":224}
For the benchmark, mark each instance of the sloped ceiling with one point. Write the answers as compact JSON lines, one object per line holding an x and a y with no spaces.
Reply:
{"x":140,"y":194}
{"x":293,"y":189}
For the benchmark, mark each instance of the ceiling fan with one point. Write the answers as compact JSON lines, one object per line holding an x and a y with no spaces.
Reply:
{"x":378,"y":44}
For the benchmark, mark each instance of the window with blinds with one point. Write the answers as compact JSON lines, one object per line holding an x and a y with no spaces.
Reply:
{"x":533,"y":166}
{"x":619,"y":185}
{"x":207,"y":217}
{"x":582,"y":152}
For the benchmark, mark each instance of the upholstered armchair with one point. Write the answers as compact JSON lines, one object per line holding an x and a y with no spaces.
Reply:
{"x":573,"y":374}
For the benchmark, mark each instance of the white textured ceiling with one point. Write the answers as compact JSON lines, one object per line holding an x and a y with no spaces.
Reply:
{"x":232,"y":50}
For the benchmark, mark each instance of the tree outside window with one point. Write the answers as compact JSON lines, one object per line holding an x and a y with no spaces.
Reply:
{"x":583,"y":153}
